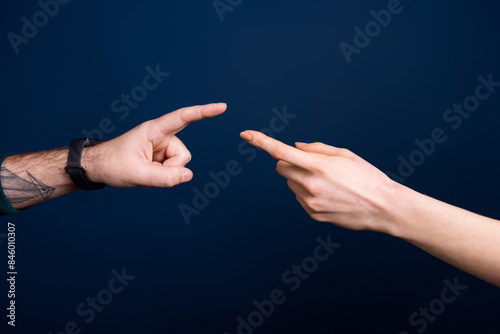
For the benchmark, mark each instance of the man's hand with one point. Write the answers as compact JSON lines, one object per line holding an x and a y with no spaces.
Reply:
{"x":332,"y":184}
{"x":149,"y":155}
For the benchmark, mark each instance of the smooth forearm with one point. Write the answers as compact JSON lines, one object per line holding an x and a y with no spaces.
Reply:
{"x":337,"y":186}
{"x":461,"y":238}
{"x":34,"y":177}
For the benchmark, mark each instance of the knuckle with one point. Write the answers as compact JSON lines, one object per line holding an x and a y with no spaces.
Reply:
{"x":188,"y":156}
{"x":313,"y":205}
{"x":161,"y":181}
{"x":317,"y":164}
{"x":319,"y":217}
{"x":257,"y":139}
{"x":182,"y":114}
{"x":280,"y":166}
{"x":281,"y":152}
{"x":168,"y":181}
{"x":317,"y":145}
{"x":153,"y":129}
{"x":146,"y":126}
{"x":311,"y":186}
{"x":348,"y":153}
{"x":304,"y":205}
{"x":307,"y":186}
{"x":345,"y":152}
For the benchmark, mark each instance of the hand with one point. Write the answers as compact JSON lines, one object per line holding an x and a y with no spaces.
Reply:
{"x":333,"y":184}
{"x":149,"y":155}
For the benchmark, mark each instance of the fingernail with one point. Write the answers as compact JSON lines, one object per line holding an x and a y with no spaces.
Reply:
{"x":186,"y":176}
{"x":246,"y":136}
{"x":299,"y":144}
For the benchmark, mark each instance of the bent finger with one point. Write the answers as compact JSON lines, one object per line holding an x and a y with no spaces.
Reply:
{"x":177,"y":154}
{"x":291,"y":172}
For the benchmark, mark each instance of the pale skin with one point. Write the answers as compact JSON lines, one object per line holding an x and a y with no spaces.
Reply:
{"x":335,"y":185}
{"x":332,"y":184}
{"x":150,"y":156}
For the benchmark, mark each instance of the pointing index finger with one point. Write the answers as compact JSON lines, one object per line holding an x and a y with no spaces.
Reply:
{"x":278,"y":150}
{"x":177,"y":120}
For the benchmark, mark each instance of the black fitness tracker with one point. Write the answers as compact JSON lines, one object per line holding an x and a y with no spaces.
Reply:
{"x":74,"y":168}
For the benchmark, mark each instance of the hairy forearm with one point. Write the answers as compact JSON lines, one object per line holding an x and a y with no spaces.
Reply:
{"x":150,"y":155}
{"x":461,"y":238}
{"x":34,"y":177}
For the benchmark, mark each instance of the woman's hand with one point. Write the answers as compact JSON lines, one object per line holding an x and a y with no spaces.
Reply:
{"x":333,"y":184}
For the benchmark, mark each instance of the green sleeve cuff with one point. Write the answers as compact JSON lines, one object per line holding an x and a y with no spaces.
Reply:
{"x":5,"y":206}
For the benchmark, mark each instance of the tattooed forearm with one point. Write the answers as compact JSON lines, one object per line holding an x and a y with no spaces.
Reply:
{"x":31,"y":178}
{"x":20,"y":190}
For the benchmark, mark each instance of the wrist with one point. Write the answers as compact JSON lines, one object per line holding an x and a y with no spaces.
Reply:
{"x":397,"y":201}
{"x":404,"y":207}
{"x":92,"y":163}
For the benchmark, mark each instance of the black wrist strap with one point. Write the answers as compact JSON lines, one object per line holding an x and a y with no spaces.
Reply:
{"x":74,"y":168}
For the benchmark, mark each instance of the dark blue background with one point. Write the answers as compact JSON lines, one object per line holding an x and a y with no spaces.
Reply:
{"x":199,"y":278}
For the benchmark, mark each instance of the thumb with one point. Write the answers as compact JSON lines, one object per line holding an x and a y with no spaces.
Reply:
{"x":157,"y":176}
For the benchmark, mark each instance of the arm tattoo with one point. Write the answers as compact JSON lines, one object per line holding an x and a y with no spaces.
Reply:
{"x":19,"y":190}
